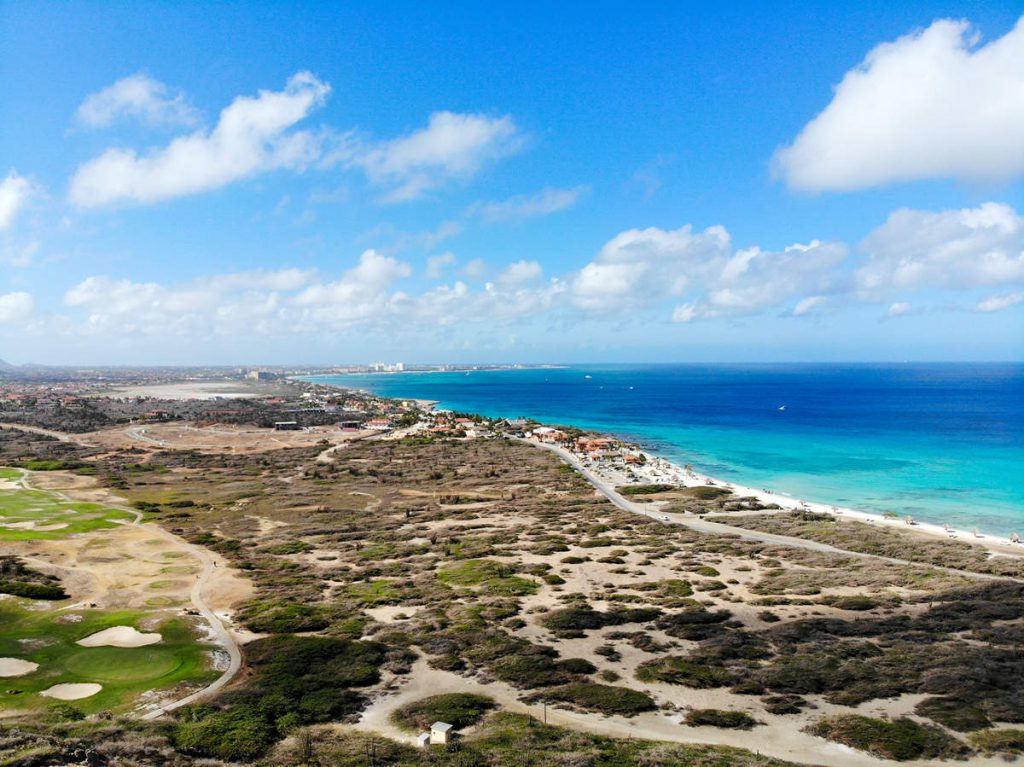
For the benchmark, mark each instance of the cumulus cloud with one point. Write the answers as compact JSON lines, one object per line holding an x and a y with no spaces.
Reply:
{"x":898,"y":309}
{"x":15,"y":307}
{"x":139,"y":97}
{"x":952,"y":249}
{"x":436,"y":265}
{"x":15,"y":191}
{"x":520,"y":272}
{"x":1000,"y":302}
{"x":451,"y":147}
{"x":753,"y":280}
{"x":639,"y":266}
{"x":542,"y":203}
{"x":252,"y":136}
{"x":932,"y":104}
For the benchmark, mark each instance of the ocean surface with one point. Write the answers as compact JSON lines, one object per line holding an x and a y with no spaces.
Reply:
{"x":943,"y":442}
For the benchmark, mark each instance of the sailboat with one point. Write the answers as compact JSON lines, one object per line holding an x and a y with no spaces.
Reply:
{"x":782,"y":408}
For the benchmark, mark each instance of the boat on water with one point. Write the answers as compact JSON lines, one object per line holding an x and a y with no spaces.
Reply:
{"x":782,"y":407}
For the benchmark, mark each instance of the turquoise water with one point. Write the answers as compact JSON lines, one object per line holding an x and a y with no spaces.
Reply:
{"x":944,"y":442}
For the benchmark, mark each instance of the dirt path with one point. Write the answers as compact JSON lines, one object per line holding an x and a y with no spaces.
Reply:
{"x":717,"y":528}
{"x":775,"y":739}
{"x":57,"y":435}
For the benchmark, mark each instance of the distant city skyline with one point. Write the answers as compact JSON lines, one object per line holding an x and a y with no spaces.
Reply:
{"x":315,"y":185}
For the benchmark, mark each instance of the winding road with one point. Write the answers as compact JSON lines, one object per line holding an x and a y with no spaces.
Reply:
{"x":717,"y":528}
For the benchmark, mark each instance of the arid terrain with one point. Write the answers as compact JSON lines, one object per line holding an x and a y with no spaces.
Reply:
{"x":367,"y":578}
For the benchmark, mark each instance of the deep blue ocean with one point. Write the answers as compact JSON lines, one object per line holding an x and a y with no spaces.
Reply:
{"x":943,"y":442}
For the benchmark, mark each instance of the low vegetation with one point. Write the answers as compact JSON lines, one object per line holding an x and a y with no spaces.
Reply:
{"x":457,"y":709}
{"x":901,"y":739}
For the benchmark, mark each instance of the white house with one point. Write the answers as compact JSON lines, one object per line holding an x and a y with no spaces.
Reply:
{"x":440,"y":732}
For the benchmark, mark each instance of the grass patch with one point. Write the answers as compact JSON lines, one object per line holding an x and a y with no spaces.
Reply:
{"x":998,"y":741}
{"x":674,"y":669}
{"x":458,"y":709}
{"x":123,"y":672}
{"x":714,"y":717}
{"x":901,"y":739}
{"x":23,"y":512}
{"x":487,"y":575}
{"x":607,"y":699}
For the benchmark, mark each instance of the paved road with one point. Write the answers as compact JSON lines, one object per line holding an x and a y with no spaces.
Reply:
{"x":717,"y":528}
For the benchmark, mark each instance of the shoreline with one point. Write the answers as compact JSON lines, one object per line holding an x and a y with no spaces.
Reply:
{"x":1004,"y":545}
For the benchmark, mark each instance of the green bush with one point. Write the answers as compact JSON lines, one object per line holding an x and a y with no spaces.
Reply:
{"x":458,"y":709}
{"x":644,"y":489}
{"x":900,"y":739}
{"x":574,"y":621}
{"x":33,"y":590}
{"x":999,"y":741}
{"x":674,"y":669}
{"x":604,"y":698}
{"x":953,"y":713}
{"x":713,"y":717}
{"x":284,"y":617}
{"x":856,"y":602}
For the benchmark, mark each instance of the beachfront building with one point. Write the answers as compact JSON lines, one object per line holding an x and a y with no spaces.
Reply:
{"x":378,"y":424}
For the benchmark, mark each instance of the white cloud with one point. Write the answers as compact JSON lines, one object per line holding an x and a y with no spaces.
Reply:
{"x":451,"y":147}
{"x":18,"y":255}
{"x":475,"y":270}
{"x":998,"y":303}
{"x":542,"y":203}
{"x":640,"y":266}
{"x":809,"y":305}
{"x":951,"y":249}
{"x":15,"y":307}
{"x":15,"y":191}
{"x":520,"y":272}
{"x":930,"y":105}
{"x":436,"y":265}
{"x":251,"y":137}
{"x":140,"y":97}
{"x":898,"y":309}
{"x":753,"y":280}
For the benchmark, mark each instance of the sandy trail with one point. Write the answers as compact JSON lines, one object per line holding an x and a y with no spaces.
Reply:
{"x":774,"y":741}
{"x":717,"y":528}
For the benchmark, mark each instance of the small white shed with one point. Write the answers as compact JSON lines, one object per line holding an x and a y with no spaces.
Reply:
{"x":423,"y":740}
{"x":440,"y":732}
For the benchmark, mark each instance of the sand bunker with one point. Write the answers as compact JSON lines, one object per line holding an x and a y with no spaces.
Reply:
{"x":72,"y":691}
{"x":119,"y":636}
{"x":16,"y":667}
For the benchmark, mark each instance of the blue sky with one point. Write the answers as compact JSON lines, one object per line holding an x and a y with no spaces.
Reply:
{"x":455,"y":182}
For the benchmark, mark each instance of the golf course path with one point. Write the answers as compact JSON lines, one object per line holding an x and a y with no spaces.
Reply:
{"x":717,"y":528}
{"x":220,"y":631}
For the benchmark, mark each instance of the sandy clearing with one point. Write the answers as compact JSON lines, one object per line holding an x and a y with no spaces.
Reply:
{"x":119,"y":636}
{"x":390,"y":613}
{"x":68,"y":691}
{"x":16,"y":667}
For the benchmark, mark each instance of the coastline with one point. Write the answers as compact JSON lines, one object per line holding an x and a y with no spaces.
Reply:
{"x":671,"y":472}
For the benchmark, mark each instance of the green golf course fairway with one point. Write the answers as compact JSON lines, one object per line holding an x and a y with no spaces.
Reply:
{"x":48,"y":638}
{"x":44,"y":508}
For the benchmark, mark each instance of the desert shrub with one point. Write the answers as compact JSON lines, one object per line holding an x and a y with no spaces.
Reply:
{"x":694,"y":623}
{"x":855,"y":602}
{"x":488,"y":575}
{"x":33,"y":590}
{"x":900,"y":739}
{"x":628,"y":490}
{"x":705,"y":492}
{"x":291,"y":547}
{"x":707,"y":570}
{"x":458,"y":709}
{"x":999,"y":741}
{"x":295,"y":681}
{"x":953,"y":713}
{"x":713,"y":717}
{"x":604,"y":698}
{"x":283,"y":617}
{"x":673,"y":669}
{"x":574,"y":621}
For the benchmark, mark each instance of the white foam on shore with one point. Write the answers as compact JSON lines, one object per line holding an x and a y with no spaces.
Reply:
{"x":119,"y":636}
{"x":67,"y":691}
{"x":16,"y":667}
{"x":660,"y":470}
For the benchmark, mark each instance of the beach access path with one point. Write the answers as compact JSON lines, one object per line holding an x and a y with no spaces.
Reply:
{"x":717,"y":528}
